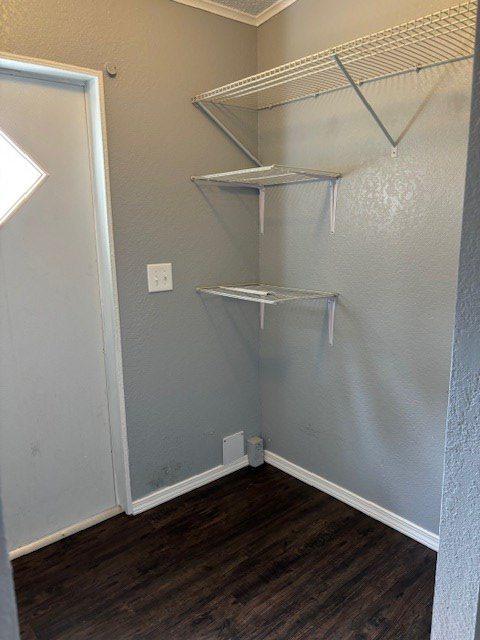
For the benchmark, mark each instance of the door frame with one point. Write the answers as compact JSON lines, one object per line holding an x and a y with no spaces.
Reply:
{"x":92,"y":82}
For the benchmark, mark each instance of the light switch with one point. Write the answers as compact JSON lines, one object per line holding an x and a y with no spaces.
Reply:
{"x":159,"y":277}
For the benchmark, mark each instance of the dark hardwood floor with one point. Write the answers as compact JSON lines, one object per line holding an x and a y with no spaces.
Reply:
{"x":256,"y":555}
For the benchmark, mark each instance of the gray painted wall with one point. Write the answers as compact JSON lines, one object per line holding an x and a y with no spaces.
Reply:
{"x":456,"y":605}
{"x":8,"y":609}
{"x":191,"y":365}
{"x":368,"y":414}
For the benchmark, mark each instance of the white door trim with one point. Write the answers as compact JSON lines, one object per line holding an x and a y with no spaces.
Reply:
{"x":92,"y":81}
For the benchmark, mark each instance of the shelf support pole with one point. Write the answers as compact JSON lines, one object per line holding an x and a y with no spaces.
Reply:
{"x":367,"y":105}
{"x":262,"y":315}
{"x":331,"y":318}
{"x":261,"y":209}
{"x":333,"y":203}
{"x":227,"y":132}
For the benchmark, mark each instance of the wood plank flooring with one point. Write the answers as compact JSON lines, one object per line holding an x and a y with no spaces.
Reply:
{"x":254,"y":556}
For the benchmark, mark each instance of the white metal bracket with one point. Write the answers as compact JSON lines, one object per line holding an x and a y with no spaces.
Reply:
{"x":261,"y":209}
{"x":331,"y":318}
{"x":262,"y":315}
{"x":333,"y":203}
{"x":365,"y":102}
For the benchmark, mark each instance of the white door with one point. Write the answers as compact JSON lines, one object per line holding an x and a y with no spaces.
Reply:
{"x":55,"y":444}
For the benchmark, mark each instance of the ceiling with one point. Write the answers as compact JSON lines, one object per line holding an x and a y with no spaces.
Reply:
{"x":254,"y":12}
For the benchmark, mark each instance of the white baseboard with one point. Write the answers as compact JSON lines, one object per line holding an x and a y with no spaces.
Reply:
{"x":175,"y":490}
{"x":63,"y":533}
{"x":427,"y":538}
{"x":371,"y":509}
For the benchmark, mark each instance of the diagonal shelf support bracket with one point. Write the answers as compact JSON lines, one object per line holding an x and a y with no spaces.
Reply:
{"x":201,"y":105}
{"x":366,"y":104}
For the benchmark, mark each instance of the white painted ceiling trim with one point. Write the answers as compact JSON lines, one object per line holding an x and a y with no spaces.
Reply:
{"x":235,"y":14}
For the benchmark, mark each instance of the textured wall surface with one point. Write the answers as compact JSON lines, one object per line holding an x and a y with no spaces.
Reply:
{"x":456,"y":606}
{"x":191,"y":365}
{"x":368,"y":414}
{"x":8,"y":616}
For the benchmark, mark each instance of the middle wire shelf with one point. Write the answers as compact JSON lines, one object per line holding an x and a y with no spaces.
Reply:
{"x":272,"y":176}
{"x":270,"y":294}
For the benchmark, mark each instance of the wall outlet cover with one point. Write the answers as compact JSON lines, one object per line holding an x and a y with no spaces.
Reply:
{"x":233,"y":447}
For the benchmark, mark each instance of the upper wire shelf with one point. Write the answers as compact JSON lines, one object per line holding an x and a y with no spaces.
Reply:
{"x":268,"y":176}
{"x":444,"y":36}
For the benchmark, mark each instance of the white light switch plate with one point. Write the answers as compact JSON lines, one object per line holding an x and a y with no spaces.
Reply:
{"x":159,"y":277}
{"x":233,"y":447}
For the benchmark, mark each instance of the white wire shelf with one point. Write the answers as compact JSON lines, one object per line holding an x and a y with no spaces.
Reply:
{"x":272,"y":176}
{"x":268,"y":176}
{"x":264,"y":294}
{"x":444,"y":36}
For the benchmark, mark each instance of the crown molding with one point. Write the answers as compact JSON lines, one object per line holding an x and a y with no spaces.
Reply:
{"x":235,"y":14}
{"x":272,"y":11}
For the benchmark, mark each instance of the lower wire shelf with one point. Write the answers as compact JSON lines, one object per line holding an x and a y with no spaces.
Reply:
{"x":270,"y":294}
